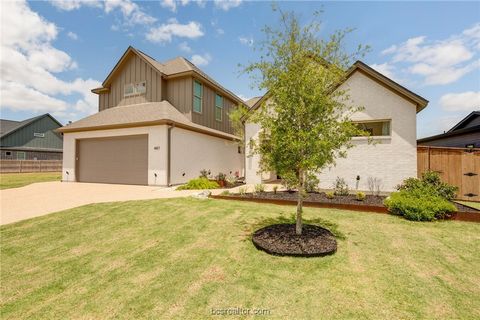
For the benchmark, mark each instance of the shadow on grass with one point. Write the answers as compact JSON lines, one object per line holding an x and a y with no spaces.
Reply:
{"x":249,"y":227}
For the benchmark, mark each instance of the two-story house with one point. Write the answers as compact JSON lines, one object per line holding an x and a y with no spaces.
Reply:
{"x":158,"y":124}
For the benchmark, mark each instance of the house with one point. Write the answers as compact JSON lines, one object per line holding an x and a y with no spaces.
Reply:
{"x":465,"y":134}
{"x":31,"y":139}
{"x":159,"y":123}
{"x":389,"y":115}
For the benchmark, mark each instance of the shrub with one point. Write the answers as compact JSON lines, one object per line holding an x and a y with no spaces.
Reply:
{"x":204,"y":173}
{"x":340,"y":187}
{"x":221,"y":176}
{"x":374,"y":185}
{"x":419,"y":207}
{"x":225,"y":193}
{"x":360,"y":196}
{"x":242,"y":190}
{"x":231,"y":181}
{"x":199,"y":184}
{"x":289,"y":181}
{"x":330,"y":195}
{"x":429,"y":184}
{"x":259,"y":188}
{"x":311,"y":183}
{"x":275,"y":188}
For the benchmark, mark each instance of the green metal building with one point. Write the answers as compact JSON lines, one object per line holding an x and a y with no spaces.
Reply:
{"x":31,"y":139}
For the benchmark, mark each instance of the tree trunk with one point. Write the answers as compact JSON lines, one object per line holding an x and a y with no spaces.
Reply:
{"x":299,"y":222}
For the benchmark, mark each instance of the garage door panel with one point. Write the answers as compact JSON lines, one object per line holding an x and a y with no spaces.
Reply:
{"x":113,"y":160}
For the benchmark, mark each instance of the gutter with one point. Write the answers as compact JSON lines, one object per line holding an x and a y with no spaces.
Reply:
{"x":169,"y":152}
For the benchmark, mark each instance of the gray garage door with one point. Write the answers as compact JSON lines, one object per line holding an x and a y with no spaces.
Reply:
{"x":113,"y":160}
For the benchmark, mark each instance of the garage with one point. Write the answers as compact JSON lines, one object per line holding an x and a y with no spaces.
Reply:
{"x":122,"y":160}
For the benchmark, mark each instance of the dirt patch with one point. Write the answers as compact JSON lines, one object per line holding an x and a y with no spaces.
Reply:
{"x":281,"y":239}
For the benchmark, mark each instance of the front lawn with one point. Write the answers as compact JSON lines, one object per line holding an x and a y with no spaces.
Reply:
{"x":15,"y":180}
{"x":181,"y":258}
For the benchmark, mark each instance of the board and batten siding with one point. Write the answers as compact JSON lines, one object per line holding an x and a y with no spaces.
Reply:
{"x":207,"y":117}
{"x":179,"y":92}
{"x":133,"y":70}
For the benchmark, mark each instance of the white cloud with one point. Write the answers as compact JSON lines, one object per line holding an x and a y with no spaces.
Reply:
{"x":165,"y":32}
{"x":385,"y":68}
{"x":29,"y":64}
{"x":248,"y":41}
{"x":72,"y":35}
{"x":243,"y":97}
{"x":227,"y":4}
{"x":184,"y":47}
{"x":200,"y":60}
{"x":169,"y":4}
{"x":438,"y":62}
{"x":461,"y":102}
{"x":131,"y":12}
{"x":439,"y":125}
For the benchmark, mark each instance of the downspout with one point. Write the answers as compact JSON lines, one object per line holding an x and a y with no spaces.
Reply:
{"x":169,"y":152}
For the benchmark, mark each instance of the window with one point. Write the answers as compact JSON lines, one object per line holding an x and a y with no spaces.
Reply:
{"x":134,"y":89}
{"x":375,"y":128}
{"x":218,"y":107}
{"x":197,"y":96}
{"x":39,"y":135}
{"x":21,"y":155}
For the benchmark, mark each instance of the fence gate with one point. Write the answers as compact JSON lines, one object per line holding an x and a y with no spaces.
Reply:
{"x":457,"y":166}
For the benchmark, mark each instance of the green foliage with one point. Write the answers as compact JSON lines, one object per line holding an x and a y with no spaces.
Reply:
{"x":311,"y":183}
{"x":419,"y":207}
{"x":275,"y":188}
{"x":199,"y":184}
{"x":330,"y":195}
{"x":289,"y":181}
{"x":259,"y":188}
{"x":429,"y":184}
{"x":360,"y":196}
{"x":340,"y":187}
{"x":242,"y":191}
{"x":225,"y":193}
{"x":221,"y":176}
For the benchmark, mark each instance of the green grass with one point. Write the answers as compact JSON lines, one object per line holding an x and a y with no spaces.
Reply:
{"x":179,"y":258}
{"x":475,"y":205}
{"x":15,"y":180}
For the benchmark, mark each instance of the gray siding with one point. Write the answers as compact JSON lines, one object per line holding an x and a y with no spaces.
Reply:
{"x":459,"y":141}
{"x":133,"y":70}
{"x":9,"y":154}
{"x":179,"y":92}
{"x":24,"y":137}
{"x":207,"y":117}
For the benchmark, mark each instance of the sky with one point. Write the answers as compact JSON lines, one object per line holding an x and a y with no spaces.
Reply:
{"x":54,"y":52}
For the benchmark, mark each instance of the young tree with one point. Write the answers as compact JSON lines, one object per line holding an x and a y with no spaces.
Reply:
{"x":305,"y":121}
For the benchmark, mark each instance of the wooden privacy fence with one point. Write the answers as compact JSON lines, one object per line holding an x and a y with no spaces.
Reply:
{"x":15,"y":166}
{"x":457,"y":166}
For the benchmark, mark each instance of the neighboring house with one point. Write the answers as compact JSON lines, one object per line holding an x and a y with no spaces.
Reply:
{"x":389,"y":115}
{"x":465,"y":134}
{"x":158,"y":124}
{"x":31,"y":139}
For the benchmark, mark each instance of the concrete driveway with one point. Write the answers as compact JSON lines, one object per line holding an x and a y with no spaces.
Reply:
{"x":46,"y":197}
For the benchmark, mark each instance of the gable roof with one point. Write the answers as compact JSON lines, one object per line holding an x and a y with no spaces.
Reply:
{"x":173,"y":68}
{"x":7,"y":127}
{"x":419,"y":101}
{"x":139,"y":115}
{"x":465,"y":121}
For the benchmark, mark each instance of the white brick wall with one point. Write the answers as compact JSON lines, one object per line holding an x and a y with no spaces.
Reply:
{"x":391,"y":160}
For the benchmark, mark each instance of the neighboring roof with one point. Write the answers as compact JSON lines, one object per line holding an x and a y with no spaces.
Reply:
{"x":251,"y":102}
{"x":8,"y":127}
{"x":137,"y":115}
{"x":451,"y":134}
{"x":176,"y":67}
{"x":419,"y":101}
{"x":465,"y":121}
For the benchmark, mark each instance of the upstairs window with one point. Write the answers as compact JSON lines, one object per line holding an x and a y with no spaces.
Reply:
{"x":132,"y":89}
{"x":197,"y":96}
{"x":376,"y":128}
{"x":218,"y":107}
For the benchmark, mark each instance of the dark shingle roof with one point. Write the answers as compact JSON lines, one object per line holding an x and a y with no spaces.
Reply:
{"x":9,"y":126}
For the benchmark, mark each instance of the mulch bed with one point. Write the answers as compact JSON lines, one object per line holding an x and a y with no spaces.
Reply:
{"x":281,"y":239}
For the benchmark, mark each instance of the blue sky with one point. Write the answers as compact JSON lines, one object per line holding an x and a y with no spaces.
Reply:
{"x":54,"y":52}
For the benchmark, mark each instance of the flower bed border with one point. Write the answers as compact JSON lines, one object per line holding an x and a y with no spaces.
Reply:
{"x":459,"y":215}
